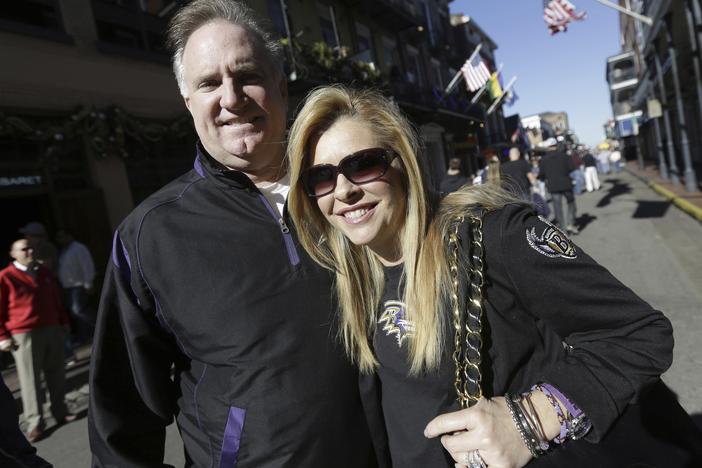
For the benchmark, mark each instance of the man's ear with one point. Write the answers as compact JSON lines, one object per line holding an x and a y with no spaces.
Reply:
{"x":186,"y":99}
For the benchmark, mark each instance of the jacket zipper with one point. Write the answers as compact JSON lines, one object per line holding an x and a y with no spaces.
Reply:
{"x":285,"y":230}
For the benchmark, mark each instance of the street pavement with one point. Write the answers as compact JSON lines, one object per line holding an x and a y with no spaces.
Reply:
{"x":649,"y":244}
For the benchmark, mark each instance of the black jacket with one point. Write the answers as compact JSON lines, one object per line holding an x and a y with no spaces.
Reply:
{"x":212,"y":312}
{"x":15,"y":451}
{"x":555,"y":315}
{"x":555,"y":167}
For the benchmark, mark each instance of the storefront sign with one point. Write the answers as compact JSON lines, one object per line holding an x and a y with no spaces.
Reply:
{"x":21,"y":181}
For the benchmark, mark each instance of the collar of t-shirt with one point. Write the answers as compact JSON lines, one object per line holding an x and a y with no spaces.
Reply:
{"x":276,"y":192}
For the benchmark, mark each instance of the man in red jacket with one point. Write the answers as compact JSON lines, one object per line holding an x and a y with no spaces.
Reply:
{"x":32,"y":322}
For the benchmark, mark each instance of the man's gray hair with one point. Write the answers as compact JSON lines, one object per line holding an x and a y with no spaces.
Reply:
{"x":200,"y":12}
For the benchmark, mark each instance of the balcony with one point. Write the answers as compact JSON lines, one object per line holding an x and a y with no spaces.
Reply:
{"x":622,"y":71}
{"x":131,"y":28}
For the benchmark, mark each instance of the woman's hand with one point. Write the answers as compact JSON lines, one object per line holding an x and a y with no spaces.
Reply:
{"x":487,"y":427}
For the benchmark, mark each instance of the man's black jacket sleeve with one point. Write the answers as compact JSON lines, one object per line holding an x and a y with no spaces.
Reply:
{"x":132,"y":394}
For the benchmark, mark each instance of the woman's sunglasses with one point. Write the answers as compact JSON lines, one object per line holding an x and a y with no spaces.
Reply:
{"x":359,"y":168}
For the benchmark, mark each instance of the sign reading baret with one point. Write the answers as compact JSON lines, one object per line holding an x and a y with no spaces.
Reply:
{"x":20,"y":181}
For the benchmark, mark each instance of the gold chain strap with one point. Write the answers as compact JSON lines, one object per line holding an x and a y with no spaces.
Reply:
{"x":467,"y":359}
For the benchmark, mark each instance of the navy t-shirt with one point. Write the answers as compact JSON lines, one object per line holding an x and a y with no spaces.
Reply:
{"x":409,"y":403}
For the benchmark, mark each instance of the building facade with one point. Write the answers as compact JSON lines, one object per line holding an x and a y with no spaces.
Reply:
{"x":656,"y":88}
{"x":91,"y":120}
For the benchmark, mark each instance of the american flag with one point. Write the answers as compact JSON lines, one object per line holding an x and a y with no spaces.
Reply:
{"x":475,"y":72}
{"x":558,"y":13}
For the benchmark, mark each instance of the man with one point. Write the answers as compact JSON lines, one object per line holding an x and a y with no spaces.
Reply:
{"x":45,"y":254}
{"x":76,"y":272}
{"x":454,"y":178}
{"x":516,"y":174}
{"x":32,"y":322}
{"x":210,"y":311}
{"x":615,"y":157}
{"x":592,"y":181}
{"x":555,"y":168}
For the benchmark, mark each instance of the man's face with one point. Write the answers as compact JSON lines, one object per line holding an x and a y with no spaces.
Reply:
{"x":237,"y":101}
{"x":22,"y":252}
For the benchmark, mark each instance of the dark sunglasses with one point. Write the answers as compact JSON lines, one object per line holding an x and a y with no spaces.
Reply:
{"x":359,"y":168}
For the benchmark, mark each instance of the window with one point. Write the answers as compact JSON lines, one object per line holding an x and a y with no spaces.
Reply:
{"x":35,"y":17}
{"x":327,"y":23}
{"x":133,"y":26}
{"x":436,"y":78}
{"x":390,"y":59}
{"x":277,"y":16}
{"x":426,"y":16}
{"x":414,"y":67}
{"x":364,"y":43}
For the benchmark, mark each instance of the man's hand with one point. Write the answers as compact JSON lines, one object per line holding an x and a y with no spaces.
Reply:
{"x":8,"y":345}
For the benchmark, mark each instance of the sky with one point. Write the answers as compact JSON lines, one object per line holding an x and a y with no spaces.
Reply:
{"x":565,"y":72}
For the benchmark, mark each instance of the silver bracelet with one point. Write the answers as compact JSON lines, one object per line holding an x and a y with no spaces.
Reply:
{"x":519,"y":421}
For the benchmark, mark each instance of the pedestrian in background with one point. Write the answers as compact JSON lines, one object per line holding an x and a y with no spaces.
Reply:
{"x":45,"y":253}
{"x":577,"y":174}
{"x":454,"y":178}
{"x":603,"y":160}
{"x":555,"y":168}
{"x":76,"y":272}
{"x":517,"y":175}
{"x":592,"y":180}
{"x":615,"y":157}
{"x":32,"y":326}
{"x":493,"y":172}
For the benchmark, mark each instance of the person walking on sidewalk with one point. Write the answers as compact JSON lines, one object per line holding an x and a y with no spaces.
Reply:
{"x":517,"y":176}
{"x":555,"y":169}
{"x":210,"y":310}
{"x":76,"y":272}
{"x":592,"y":181}
{"x":32,"y":324}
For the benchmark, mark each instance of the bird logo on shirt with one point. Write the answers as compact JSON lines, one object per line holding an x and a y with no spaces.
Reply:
{"x":394,"y":322}
{"x":552,"y":242}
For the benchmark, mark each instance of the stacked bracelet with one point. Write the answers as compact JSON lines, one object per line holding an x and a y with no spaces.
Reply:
{"x":546,"y":389}
{"x":575,"y":424}
{"x":526,"y":430}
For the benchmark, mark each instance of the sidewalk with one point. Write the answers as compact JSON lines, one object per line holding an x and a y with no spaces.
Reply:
{"x":689,"y":202}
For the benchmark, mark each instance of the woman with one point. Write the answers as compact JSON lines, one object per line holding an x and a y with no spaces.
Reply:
{"x":555,"y":348}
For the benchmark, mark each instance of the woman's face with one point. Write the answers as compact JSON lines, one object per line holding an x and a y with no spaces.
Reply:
{"x":369,"y":214}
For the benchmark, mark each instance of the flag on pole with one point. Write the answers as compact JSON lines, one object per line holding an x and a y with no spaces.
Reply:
{"x":511,"y":97}
{"x":475,"y":72}
{"x":495,"y":86}
{"x":558,"y":13}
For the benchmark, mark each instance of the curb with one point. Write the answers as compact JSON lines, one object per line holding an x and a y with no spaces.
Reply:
{"x":681,"y":203}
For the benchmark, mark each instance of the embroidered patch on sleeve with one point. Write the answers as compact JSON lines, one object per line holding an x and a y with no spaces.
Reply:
{"x":552,"y":242}
{"x":394,"y":322}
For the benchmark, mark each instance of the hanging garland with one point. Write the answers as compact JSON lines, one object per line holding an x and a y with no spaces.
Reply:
{"x":105,"y":130}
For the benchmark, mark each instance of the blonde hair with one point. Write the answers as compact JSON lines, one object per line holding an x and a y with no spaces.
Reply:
{"x":359,"y":273}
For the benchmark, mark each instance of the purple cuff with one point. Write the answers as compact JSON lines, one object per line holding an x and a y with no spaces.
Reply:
{"x":573,"y":410}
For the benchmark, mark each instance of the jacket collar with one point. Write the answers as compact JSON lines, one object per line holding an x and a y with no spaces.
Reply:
{"x":209,"y":168}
